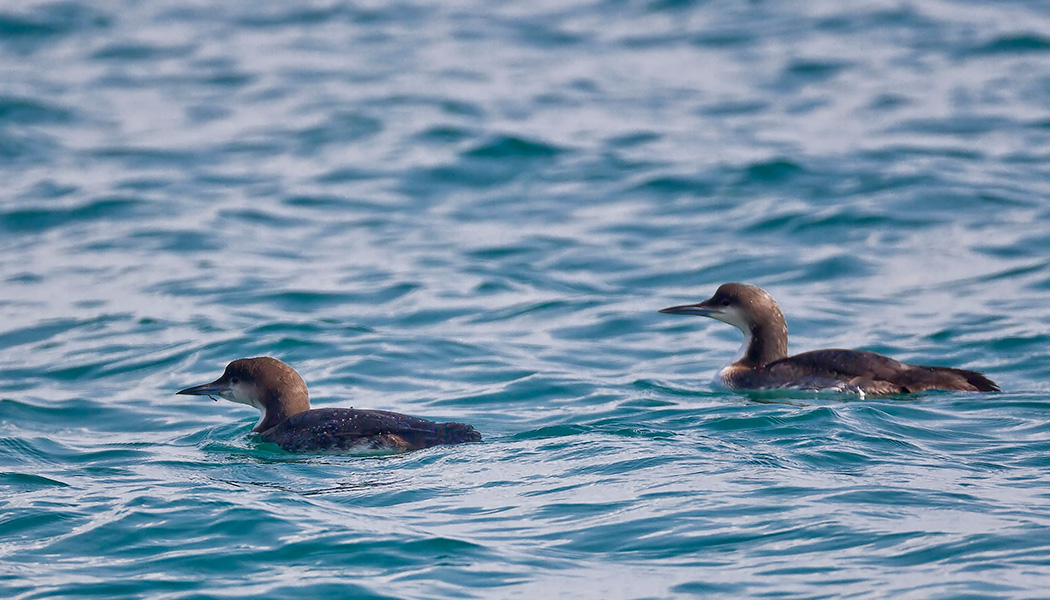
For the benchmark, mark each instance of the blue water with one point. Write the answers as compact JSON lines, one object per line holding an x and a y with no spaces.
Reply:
{"x":473,"y":211}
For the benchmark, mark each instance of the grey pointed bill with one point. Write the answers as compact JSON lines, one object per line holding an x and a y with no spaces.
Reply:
{"x":213,"y":389}
{"x":700,"y":309}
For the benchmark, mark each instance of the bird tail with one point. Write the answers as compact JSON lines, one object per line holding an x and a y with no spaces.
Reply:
{"x":457,"y":433}
{"x":979,"y":381}
{"x":962,"y":380}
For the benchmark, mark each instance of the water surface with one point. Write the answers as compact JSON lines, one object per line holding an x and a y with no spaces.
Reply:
{"x":472,"y":211}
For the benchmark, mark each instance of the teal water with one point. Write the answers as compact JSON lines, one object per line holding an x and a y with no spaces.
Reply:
{"x":472,"y":211}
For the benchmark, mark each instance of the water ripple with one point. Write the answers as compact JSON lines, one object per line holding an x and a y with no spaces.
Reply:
{"x":473,"y":212}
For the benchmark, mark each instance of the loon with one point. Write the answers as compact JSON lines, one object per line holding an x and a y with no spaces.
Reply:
{"x":280,"y":394}
{"x":763,"y":362}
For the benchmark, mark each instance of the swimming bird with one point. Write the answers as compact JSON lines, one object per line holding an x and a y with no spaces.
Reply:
{"x":280,"y":394}
{"x":763,"y":362}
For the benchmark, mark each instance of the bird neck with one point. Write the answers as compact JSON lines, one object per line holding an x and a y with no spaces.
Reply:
{"x":278,"y":406}
{"x":765,"y":344}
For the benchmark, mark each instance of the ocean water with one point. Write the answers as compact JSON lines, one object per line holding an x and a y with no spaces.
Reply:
{"x":473,"y":211}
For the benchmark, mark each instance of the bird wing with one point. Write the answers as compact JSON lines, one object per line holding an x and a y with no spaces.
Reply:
{"x":860,"y":370}
{"x":342,"y":428}
{"x":844,"y":370}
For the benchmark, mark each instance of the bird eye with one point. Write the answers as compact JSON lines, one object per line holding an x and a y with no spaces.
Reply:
{"x":235,"y":380}
{"x":725,"y":302}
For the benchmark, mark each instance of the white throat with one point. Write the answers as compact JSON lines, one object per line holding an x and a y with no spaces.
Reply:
{"x":742,"y":351}
{"x":262,"y":416}
{"x":732,"y":316}
{"x":722,"y":377}
{"x":245,"y":394}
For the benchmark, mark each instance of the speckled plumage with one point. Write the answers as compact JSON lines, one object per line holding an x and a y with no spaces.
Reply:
{"x":354,"y":429}
{"x":287,"y":420}
{"x":764,"y":363}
